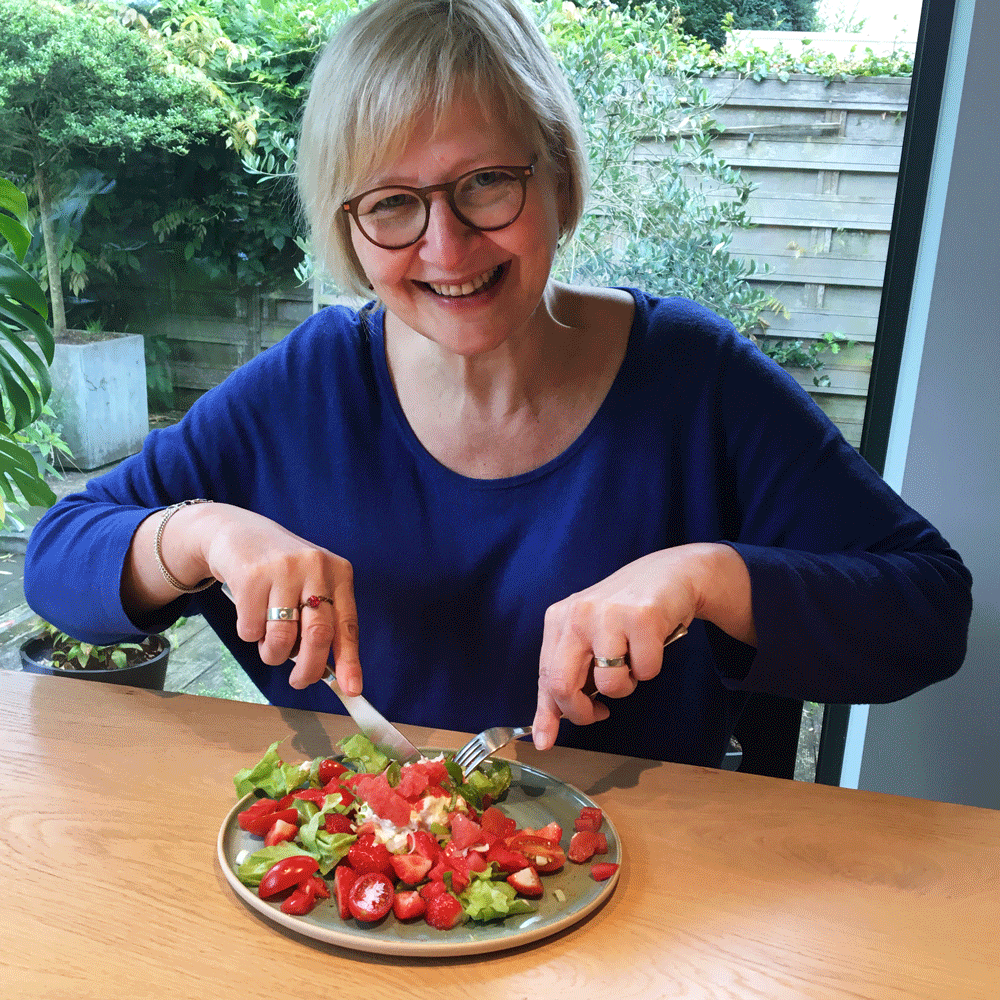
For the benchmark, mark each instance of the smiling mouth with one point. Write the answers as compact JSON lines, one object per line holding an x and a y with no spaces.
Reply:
{"x":480,"y":283}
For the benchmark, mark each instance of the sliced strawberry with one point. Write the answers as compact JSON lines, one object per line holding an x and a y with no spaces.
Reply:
{"x":590,"y":818}
{"x":338,"y":823}
{"x":408,"y":905}
{"x":422,"y":842}
{"x":367,"y":856}
{"x":526,"y":882}
{"x":343,"y":878}
{"x":603,"y":870}
{"x":443,"y":912}
{"x":280,"y":832}
{"x":431,"y":889}
{"x":584,"y":845}
{"x":410,"y":868}
{"x":552,"y":832}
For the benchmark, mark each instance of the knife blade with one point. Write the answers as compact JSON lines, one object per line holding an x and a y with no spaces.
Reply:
{"x":375,"y":726}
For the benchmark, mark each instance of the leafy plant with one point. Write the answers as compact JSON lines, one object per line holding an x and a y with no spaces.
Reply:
{"x":78,"y":78}
{"x":663,"y":206}
{"x":72,"y":654}
{"x":24,"y":376}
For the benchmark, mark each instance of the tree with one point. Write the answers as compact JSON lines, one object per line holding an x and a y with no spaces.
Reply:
{"x":707,"y":18}
{"x":75,"y":79}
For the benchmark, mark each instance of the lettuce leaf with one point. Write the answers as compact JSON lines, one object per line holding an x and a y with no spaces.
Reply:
{"x":362,"y":755}
{"x":256,"y":865}
{"x":484,"y":900}
{"x":271,"y":775}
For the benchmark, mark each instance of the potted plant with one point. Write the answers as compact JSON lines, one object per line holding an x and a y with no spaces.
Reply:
{"x":75,"y":80}
{"x":139,"y":664}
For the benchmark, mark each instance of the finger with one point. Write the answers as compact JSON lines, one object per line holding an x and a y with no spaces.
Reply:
{"x":346,"y":652}
{"x":562,"y":675}
{"x":280,"y":636}
{"x":645,"y":654}
{"x":545,"y":725}
{"x":316,"y":631}
{"x":614,"y":682}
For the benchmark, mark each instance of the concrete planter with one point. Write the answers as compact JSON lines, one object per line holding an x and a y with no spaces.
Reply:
{"x":99,"y":396}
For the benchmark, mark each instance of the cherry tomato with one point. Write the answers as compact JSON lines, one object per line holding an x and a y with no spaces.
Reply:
{"x":329,"y":769}
{"x":367,"y":856}
{"x":286,"y":873}
{"x":371,"y":897}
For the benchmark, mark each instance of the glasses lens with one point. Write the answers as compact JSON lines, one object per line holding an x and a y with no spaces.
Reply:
{"x":392,"y":217}
{"x":490,"y":199}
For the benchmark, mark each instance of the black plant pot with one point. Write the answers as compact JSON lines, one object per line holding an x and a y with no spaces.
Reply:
{"x":36,"y":658}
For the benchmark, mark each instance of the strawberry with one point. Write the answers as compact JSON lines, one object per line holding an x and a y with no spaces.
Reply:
{"x":603,"y":870}
{"x":552,"y":832}
{"x":410,"y":868}
{"x":431,"y":889}
{"x":408,"y":905}
{"x":344,"y":878}
{"x":443,"y":912}
{"x":584,"y":846}
{"x":526,"y":882}
{"x":590,"y":818}
{"x":505,"y":859}
{"x":367,"y":856}
{"x":338,"y":823}
{"x":280,"y":831}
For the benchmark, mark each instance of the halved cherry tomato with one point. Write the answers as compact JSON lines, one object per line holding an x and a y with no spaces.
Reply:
{"x":286,"y":873}
{"x":371,"y":897}
{"x":542,"y":854}
{"x":344,"y":876}
{"x":257,"y":818}
{"x":330,"y":769}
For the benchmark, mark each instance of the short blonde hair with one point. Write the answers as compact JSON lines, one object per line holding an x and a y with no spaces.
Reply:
{"x":394,"y":60}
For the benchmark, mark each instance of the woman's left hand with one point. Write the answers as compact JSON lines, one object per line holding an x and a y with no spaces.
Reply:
{"x":631,"y":613}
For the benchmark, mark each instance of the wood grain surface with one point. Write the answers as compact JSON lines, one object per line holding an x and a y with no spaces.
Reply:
{"x":732,"y":886}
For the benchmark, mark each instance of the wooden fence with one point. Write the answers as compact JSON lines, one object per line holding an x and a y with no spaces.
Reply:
{"x":824,"y":158}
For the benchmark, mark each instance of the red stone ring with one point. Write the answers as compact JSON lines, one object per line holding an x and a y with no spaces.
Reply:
{"x":315,"y":601}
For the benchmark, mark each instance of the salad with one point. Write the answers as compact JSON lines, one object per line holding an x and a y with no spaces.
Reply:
{"x":417,"y":841}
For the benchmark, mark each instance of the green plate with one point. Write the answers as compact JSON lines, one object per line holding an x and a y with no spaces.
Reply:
{"x":533,"y":800}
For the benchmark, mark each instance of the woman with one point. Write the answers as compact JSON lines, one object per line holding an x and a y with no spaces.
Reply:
{"x":487,"y":483}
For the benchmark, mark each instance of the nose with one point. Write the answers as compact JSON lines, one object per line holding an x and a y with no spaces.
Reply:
{"x":447,"y":237}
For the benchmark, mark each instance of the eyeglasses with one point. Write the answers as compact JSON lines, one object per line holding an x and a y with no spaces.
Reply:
{"x":486,"y":199}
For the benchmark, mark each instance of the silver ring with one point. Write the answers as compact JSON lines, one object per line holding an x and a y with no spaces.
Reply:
{"x":282,"y":614}
{"x":611,"y":661}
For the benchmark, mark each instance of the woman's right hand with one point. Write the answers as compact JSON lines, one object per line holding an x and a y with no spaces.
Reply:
{"x":265,"y":566}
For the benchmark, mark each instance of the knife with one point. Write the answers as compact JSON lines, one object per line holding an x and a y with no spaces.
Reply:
{"x":375,"y":726}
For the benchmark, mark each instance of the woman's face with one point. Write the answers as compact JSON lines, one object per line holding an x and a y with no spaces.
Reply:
{"x":422,"y":284}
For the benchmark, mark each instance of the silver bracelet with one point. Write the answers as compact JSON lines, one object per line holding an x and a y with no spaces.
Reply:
{"x":158,"y":551}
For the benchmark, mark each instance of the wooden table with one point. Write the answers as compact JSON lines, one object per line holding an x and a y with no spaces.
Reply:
{"x":732,"y":886}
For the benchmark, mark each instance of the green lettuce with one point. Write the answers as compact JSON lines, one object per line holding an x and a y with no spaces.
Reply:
{"x":256,"y":865}
{"x":328,"y":848}
{"x":271,"y":776}
{"x":362,"y":755}
{"x":484,"y":900}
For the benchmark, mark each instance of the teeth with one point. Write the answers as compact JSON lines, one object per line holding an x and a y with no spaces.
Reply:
{"x":474,"y":284}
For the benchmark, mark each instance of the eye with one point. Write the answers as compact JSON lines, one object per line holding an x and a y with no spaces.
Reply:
{"x":489,"y":178}
{"x":387,"y":202}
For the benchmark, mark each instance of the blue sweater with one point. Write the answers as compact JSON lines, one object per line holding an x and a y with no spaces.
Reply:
{"x":856,"y":598}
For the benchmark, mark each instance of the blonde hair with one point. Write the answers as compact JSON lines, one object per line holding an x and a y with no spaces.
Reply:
{"x":396,"y":59}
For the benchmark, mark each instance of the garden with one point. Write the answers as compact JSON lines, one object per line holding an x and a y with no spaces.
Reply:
{"x":158,"y":139}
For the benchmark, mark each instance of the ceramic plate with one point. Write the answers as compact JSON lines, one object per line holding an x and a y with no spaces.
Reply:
{"x":533,"y":800}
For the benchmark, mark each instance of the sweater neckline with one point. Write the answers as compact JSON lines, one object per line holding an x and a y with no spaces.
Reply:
{"x":614,"y":398}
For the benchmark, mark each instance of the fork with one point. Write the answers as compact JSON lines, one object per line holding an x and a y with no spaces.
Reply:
{"x":488,"y":741}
